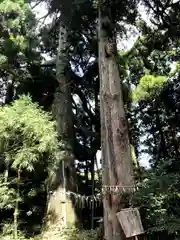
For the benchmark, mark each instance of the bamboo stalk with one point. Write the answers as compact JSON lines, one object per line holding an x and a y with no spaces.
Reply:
{"x":16,"y":210}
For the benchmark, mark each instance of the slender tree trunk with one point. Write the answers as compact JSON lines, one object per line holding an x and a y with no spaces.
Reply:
{"x":9,"y":91}
{"x":16,"y":210}
{"x":93,"y":187}
{"x":60,"y":209}
{"x":162,"y":149}
{"x":116,"y":151}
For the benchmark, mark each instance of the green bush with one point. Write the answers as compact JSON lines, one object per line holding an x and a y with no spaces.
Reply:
{"x":26,"y":134}
{"x":29,"y":148}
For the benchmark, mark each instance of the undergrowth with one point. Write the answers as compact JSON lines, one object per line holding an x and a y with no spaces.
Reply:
{"x":66,"y":234}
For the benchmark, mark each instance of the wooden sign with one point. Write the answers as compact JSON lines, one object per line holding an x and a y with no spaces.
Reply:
{"x":130,"y":221}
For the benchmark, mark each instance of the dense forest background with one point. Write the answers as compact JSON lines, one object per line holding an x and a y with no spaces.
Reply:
{"x":47,"y":116}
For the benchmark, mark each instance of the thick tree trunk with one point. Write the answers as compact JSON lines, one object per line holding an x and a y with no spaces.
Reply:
{"x":60,"y":209}
{"x":116,"y":151}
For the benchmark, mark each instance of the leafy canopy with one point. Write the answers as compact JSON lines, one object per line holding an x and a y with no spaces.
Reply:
{"x":27,"y":134}
{"x":148,"y":86}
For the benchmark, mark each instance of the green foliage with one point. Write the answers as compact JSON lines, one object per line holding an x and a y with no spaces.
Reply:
{"x":66,"y":234}
{"x":149,"y":86}
{"x":178,"y":67}
{"x":74,"y":234}
{"x":28,"y":142}
{"x":17,"y":43}
{"x":7,"y":198}
{"x":20,"y":237}
{"x":17,"y":19}
{"x":158,"y":198}
{"x":26,"y":135}
{"x":7,"y":233}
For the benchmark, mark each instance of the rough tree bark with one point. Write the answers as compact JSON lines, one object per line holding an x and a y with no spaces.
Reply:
{"x":116,"y":151}
{"x":61,"y":212}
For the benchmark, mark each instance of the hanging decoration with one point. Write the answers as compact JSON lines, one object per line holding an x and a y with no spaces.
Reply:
{"x":118,"y":189}
{"x":83,"y":201}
